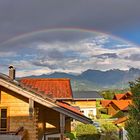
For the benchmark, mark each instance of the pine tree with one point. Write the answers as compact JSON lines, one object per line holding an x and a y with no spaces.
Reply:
{"x":133,"y":124}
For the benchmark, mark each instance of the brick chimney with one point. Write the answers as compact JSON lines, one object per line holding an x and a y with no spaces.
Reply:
{"x":12,"y":71}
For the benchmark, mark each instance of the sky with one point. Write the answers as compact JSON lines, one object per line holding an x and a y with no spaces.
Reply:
{"x":43,"y":36}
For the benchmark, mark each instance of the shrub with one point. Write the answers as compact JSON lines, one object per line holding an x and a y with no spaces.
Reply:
{"x":86,"y":132}
{"x":70,"y":135}
{"x":110,"y":131}
{"x":98,"y":116}
{"x":108,"y":94}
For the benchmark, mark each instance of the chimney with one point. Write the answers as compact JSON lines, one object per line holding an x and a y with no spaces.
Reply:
{"x":12,"y":72}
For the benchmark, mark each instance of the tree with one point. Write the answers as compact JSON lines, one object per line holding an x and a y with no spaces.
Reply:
{"x":108,"y":94}
{"x":133,"y":124}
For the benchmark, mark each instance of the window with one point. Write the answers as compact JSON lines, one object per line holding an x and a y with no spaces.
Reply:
{"x":3,"y":119}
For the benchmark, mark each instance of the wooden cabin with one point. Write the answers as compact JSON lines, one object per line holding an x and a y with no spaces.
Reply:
{"x":29,"y":114}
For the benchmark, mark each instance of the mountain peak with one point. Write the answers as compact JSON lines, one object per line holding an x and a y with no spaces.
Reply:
{"x":103,"y":79}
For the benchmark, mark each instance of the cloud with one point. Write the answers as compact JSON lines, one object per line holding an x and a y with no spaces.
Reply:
{"x":23,"y":73}
{"x":46,"y":63}
{"x":107,"y":55}
{"x":73,"y":56}
{"x":126,"y":53}
{"x":123,"y":45}
{"x":8,"y":54}
{"x":134,"y":57}
{"x":85,"y":54}
{"x":22,"y":64}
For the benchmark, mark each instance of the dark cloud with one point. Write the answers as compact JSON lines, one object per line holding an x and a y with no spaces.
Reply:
{"x":44,"y":64}
{"x":18,"y":17}
{"x":133,"y":57}
{"x":53,"y":54}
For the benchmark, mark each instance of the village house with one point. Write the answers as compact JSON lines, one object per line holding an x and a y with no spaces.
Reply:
{"x":120,"y":102}
{"x":86,"y":102}
{"x":118,"y":107}
{"x":29,"y":109}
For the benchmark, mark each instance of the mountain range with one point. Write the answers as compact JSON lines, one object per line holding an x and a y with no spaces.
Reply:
{"x":96,"y":79}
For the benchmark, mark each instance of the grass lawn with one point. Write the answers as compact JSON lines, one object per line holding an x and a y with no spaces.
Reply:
{"x":105,"y":116}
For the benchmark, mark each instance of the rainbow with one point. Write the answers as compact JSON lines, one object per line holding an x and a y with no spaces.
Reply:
{"x":70,"y":29}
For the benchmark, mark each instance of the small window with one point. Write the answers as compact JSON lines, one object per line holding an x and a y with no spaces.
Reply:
{"x":3,"y":119}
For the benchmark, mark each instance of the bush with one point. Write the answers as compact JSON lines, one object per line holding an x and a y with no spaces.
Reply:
{"x":108,"y":94}
{"x":86,"y":132}
{"x":71,"y":135}
{"x":110,"y":131}
{"x":98,"y":116}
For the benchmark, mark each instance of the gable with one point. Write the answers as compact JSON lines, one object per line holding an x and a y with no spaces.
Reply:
{"x":118,"y":96}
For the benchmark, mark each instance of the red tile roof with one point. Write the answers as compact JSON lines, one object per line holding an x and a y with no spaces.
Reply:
{"x":105,"y":103}
{"x":71,"y":108}
{"x":57,"y":88}
{"x":122,"y":104}
{"x":123,"y":96}
{"x":121,"y":120}
{"x":118,"y":96}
